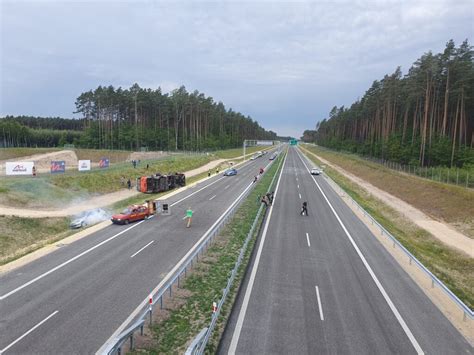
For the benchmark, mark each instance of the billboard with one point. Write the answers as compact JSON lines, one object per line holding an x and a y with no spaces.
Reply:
{"x":264,"y":142}
{"x":83,"y":165}
{"x":58,"y":166}
{"x":19,"y":167}
{"x":104,"y":163}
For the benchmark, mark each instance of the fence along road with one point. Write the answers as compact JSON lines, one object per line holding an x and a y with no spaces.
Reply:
{"x":82,"y":293}
{"x":313,"y":293}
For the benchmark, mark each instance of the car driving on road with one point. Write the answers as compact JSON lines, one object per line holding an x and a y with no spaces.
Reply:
{"x":316,"y":171}
{"x":131,"y":214}
{"x":230,"y":172}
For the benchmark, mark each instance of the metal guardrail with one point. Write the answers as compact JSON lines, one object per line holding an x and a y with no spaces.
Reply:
{"x":434,"y":280}
{"x":147,"y":310}
{"x":200,"y":342}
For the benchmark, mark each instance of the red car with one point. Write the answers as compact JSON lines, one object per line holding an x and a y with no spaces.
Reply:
{"x":131,"y":214}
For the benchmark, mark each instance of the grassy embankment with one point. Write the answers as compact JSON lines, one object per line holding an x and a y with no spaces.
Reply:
{"x":20,"y":236}
{"x":445,"y":202}
{"x":454,"y":268}
{"x":189,"y":310}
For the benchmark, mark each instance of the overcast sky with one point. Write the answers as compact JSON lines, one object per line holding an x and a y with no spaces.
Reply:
{"x":283,"y":63}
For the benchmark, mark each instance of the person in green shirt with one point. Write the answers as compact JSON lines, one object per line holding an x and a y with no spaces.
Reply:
{"x":189,"y":215}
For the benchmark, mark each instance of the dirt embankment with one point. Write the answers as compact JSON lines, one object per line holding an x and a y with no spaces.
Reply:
{"x":43,"y":161}
{"x":442,"y":231}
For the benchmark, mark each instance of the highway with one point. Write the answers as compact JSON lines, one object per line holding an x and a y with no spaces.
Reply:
{"x":72,"y":300}
{"x":323,"y":284}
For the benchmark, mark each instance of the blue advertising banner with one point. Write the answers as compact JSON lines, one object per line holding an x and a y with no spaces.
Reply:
{"x":58,"y":166}
{"x":104,"y":163}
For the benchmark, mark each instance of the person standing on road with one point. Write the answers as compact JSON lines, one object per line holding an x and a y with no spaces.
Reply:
{"x":189,"y":216}
{"x":304,"y":209}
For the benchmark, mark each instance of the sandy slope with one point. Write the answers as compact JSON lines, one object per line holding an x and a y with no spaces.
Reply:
{"x":95,"y":202}
{"x":442,"y":231}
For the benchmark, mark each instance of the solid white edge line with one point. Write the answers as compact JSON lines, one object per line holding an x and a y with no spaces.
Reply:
{"x":307,"y":238}
{"x":98,"y":245}
{"x":195,"y":192}
{"x":28,"y":332}
{"x":142,"y":248}
{"x":369,"y":269}
{"x":170,"y":274}
{"x":226,"y":187}
{"x":244,"y":164}
{"x":248,"y":291}
{"x":321,"y":315}
{"x":298,"y":185}
{"x":212,"y":198}
{"x":67,"y":262}
{"x":300,"y":196}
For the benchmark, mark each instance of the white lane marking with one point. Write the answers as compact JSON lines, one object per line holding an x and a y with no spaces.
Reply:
{"x":213,"y":197}
{"x":248,"y":291}
{"x":227,"y":186}
{"x":195,"y":192}
{"x":139,"y":308}
{"x":142,"y":248}
{"x":300,"y":196}
{"x":394,"y":309}
{"x":212,"y":183}
{"x":28,"y":332}
{"x":298,"y":185}
{"x":307,"y":239}
{"x":68,"y":261}
{"x":321,"y":315}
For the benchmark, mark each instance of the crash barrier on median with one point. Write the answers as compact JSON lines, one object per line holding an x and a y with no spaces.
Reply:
{"x":200,"y":342}
{"x":115,"y":346}
{"x":467,"y":312}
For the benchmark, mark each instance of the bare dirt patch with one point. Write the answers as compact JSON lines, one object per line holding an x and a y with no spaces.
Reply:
{"x":43,"y":161}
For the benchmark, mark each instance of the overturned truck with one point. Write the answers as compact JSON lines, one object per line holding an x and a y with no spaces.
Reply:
{"x":160,"y":183}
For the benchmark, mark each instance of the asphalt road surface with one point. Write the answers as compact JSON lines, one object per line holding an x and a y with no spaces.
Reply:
{"x":72,"y":300}
{"x":323,"y":284}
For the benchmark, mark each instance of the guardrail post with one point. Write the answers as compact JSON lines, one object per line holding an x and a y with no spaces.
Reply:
{"x":131,"y":341}
{"x":464,"y":316}
{"x":409,"y":260}
{"x":119,"y":351}
{"x":178,"y":281}
{"x":161,"y":302}
{"x":432,"y":282}
{"x":151,"y":313}
{"x":141,"y":330}
{"x":171,"y":287}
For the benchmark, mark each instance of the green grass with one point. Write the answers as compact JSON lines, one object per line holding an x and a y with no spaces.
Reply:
{"x":11,"y":153}
{"x":449,"y":203}
{"x":57,"y":190}
{"x":454,"y":268}
{"x":193,"y":302}
{"x":20,"y":236}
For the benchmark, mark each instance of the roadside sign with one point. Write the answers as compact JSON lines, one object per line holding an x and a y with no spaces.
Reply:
{"x":58,"y":166}
{"x":84,"y":165}
{"x":19,"y":168}
{"x":104,"y":163}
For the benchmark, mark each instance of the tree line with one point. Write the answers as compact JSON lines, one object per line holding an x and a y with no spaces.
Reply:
{"x":425,"y":117}
{"x":116,"y":118}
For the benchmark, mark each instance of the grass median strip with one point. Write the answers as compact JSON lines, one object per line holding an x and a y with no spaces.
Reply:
{"x":454,"y":268}
{"x":190,"y":309}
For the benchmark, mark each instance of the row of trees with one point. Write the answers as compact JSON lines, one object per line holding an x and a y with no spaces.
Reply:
{"x":54,"y":123}
{"x":425,"y":117}
{"x":135,"y":117}
{"x":14,"y":134}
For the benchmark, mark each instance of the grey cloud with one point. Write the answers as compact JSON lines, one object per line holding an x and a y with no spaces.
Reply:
{"x":284,"y":63}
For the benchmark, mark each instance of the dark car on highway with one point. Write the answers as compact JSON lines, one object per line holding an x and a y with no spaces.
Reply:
{"x":131,"y":214}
